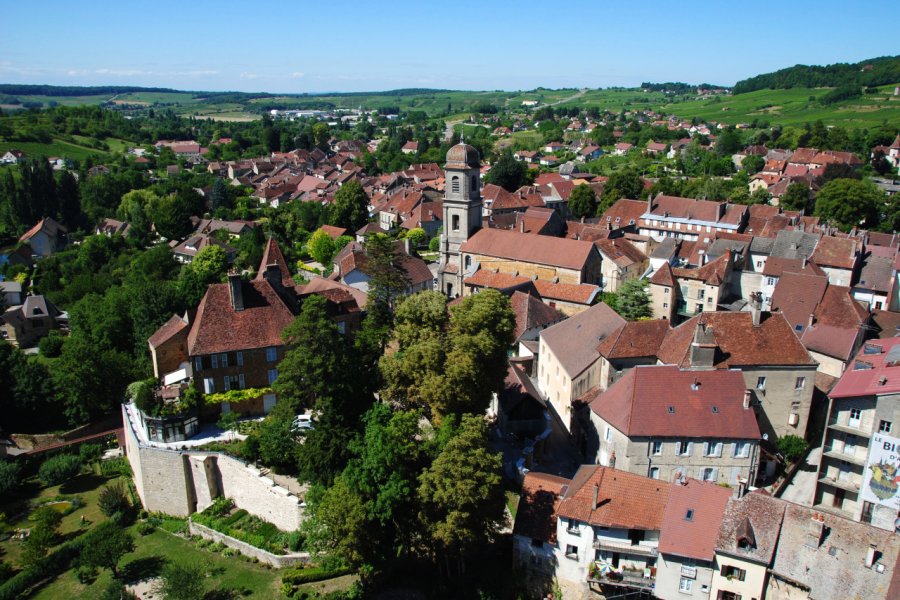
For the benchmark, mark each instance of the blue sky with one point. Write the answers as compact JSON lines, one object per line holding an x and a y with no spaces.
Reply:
{"x":292,"y":46}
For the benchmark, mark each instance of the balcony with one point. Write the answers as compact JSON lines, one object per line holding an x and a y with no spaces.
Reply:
{"x":645,"y":580}
{"x":849,"y":486}
{"x":626,"y":547}
{"x":836,"y":454}
{"x":689,"y":572}
{"x":848,"y":429}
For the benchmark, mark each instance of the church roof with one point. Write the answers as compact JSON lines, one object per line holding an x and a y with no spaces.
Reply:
{"x":462,"y":156}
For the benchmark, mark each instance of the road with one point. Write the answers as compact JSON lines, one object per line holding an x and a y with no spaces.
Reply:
{"x":448,"y":131}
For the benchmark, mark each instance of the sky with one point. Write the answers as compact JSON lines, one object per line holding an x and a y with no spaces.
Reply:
{"x":295,"y":47}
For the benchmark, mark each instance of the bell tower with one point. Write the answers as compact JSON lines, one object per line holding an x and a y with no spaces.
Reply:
{"x":462,"y":213}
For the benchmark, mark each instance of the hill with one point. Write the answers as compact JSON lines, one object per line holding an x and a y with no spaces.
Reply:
{"x":869,"y":73}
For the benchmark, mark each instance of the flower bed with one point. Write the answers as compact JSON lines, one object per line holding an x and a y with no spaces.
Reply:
{"x":241,"y":525}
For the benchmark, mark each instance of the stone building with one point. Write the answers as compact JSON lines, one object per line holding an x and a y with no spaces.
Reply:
{"x":678,"y":293}
{"x":666,"y":423}
{"x":462,"y":213}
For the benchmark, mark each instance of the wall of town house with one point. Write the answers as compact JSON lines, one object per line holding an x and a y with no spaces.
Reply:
{"x":590,"y":273}
{"x":781,"y":398}
{"x":255,"y":368}
{"x":754,"y":581}
{"x":581,"y":536}
{"x":634,"y":455}
{"x":663,"y":301}
{"x":668,"y":578}
{"x":558,"y":388}
{"x":828,"y":364}
{"x":170,"y":354}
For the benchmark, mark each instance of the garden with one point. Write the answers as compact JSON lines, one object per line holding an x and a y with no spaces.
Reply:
{"x":222,"y":516}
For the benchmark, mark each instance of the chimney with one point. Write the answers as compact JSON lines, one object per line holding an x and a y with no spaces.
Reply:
{"x":741,"y":488}
{"x":748,"y":394}
{"x":870,"y":556}
{"x":814,"y":531}
{"x":235,"y":291}
{"x":522,"y":226}
{"x":811,"y":321}
{"x":596,"y":497}
{"x":755,"y":308}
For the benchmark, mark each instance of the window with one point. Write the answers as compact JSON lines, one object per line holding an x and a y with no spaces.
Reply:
{"x":741,"y":449}
{"x":656,"y":448}
{"x":224,"y":359}
{"x":342,"y":327}
{"x":209,"y":385}
{"x":654,"y":472}
{"x":454,"y":184}
{"x":215,"y":361}
{"x":700,"y":294}
{"x":760,"y":383}
{"x":800,"y":383}
{"x":608,"y":434}
{"x":239,"y":356}
{"x":759,"y":264}
{"x":665,"y":305}
{"x":234,"y":382}
{"x":884,"y":426}
{"x":713,"y":449}
{"x":666,"y":290}
{"x":798,"y":327}
{"x":455,"y":221}
{"x":571,"y":551}
{"x":474,"y":184}
{"x":689,"y":514}
{"x":710,"y":474}
{"x":273,"y":375}
{"x":685,"y":585}
{"x":271,"y":354}
{"x":198,"y":363}
{"x":468,"y":262}
{"x":770,"y":281}
{"x":684,"y":448}
{"x":731,"y":572}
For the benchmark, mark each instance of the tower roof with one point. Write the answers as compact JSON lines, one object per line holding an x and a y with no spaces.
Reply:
{"x":462,"y":156}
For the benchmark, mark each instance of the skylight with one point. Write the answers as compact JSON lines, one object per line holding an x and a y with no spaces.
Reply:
{"x":689,"y":515}
{"x":671,"y":410}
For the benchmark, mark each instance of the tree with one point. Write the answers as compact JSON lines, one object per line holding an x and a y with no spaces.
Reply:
{"x":796,"y":197}
{"x":51,"y":345}
{"x":728,"y":142}
{"x":59,"y":469}
{"x":507,"y":172}
{"x":461,"y":496}
{"x":849,"y":203}
{"x":337,"y":527}
{"x":277,"y":447}
{"x":43,"y":535}
{"x":211,"y":264}
{"x":172,"y":217}
{"x":350,"y":208}
{"x":626,"y":183}
{"x":182,"y":581}
{"x":792,"y":447}
{"x":753,"y":164}
{"x":10,"y":478}
{"x":321,"y":247}
{"x":632,"y":300}
{"x":218,"y":195}
{"x":105,"y":545}
{"x":583,"y":201}
{"x":417,"y":237}
{"x":113,"y":501}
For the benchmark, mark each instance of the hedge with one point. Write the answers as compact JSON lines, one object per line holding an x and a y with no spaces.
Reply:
{"x":52,"y":565}
{"x":312,"y":574}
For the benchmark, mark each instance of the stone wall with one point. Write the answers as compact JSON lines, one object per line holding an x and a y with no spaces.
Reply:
{"x":182,"y":482}
{"x":276,"y":560}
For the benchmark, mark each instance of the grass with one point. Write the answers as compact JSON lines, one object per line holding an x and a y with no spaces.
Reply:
{"x":58,"y":147}
{"x":512,"y":503}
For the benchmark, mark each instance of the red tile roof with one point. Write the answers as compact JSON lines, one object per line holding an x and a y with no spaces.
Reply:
{"x":536,"y":515}
{"x":758,"y":514}
{"x":534,"y":249}
{"x":622,"y":252}
{"x":624,"y":212}
{"x":635,"y":339}
{"x":168,"y":329}
{"x":334,"y":232}
{"x":531,"y":313}
{"x":665,"y":401}
{"x":695,"y":537}
{"x":220,"y":328}
{"x":875,"y":372}
{"x":272,"y":256}
{"x":625,"y":500}
{"x":837,"y":252}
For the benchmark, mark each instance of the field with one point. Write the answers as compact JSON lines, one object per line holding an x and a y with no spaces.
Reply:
{"x":61,"y":148}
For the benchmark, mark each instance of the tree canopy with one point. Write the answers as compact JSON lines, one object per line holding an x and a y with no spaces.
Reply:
{"x":849,"y":203}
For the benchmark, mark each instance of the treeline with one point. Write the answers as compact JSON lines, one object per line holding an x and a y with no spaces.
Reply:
{"x":74,"y":90}
{"x":877,"y":71}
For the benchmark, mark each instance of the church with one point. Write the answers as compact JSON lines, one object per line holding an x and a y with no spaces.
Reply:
{"x":466,"y":247}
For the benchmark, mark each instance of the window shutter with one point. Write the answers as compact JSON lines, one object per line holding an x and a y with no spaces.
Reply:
{"x":722,"y":570}
{"x":715,"y":474}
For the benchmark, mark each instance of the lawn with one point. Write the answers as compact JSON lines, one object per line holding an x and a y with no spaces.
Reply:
{"x":56,"y":148}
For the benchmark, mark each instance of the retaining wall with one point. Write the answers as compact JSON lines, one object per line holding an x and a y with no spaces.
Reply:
{"x":276,"y":560}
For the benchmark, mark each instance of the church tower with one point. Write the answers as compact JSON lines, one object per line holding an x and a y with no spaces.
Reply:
{"x":462,"y":213}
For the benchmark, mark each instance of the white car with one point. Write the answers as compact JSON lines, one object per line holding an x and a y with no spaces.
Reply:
{"x":303,"y":422}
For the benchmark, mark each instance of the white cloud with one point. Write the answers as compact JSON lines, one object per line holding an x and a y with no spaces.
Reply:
{"x":297,"y":74}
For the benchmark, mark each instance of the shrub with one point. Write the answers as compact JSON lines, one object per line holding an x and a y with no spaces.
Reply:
{"x":301,"y":576}
{"x":145,"y":528}
{"x":113,"y":499}
{"x":58,"y":469}
{"x":90,"y":453}
{"x":435,"y":243}
{"x":10,"y":477}
{"x":115,"y":466}
{"x":51,"y":345}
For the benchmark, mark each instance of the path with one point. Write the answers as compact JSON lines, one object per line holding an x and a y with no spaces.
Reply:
{"x":803,"y":486}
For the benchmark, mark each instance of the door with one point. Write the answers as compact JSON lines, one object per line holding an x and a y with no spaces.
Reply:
{"x":838,"y":501}
{"x":844,"y":471}
{"x":855,"y":416}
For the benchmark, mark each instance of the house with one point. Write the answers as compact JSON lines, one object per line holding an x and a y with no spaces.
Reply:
{"x":519,"y":408}
{"x":235,"y":229}
{"x":589,"y":152}
{"x":690,"y":527}
{"x":186,"y":251}
{"x":776,"y":367}
{"x":622,"y":148}
{"x":24,"y":325}
{"x":532,"y":316}
{"x":554,"y":147}
{"x":656,"y":148}
{"x":687,"y":218}
{"x":12,"y":157}
{"x":568,"y":298}
{"x":840,"y":258}
{"x":622,"y":261}
{"x":634,"y":343}
{"x":568,"y":361}
{"x":678,"y":293}
{"x":534,"y":531}
{"x":876,"y":282}
{"x":11,"y":293}
{"x":111,"y":227}
{"x":350,"y":267}
{"x":859,"y":467}
{"x":666,"y":423}
{"x":610,"y":520}
{"x":410,"y":148}
{"x":45,"y":238}
{"x":745,"y":546}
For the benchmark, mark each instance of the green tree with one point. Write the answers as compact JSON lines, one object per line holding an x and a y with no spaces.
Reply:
{"x":626,"y":183}
{"x":277,"y":446}
{"x":507,"y":172}
{"x":753,"y":164}
{"x":728,"y":142}
{"x":583,"y":201}
{"x":632,"y":300}
{"x":182,"y":581}
{"x":59,"y":469}
{"x":113,"y":500}
{"x":337,"y":529}
{"x":104,"y":546}
{"x":792,"y":447}
{"x":10,"y":478}
{"x":172,"y":217}
{"x":796,"y":197}
{"x":44,"y":535}
{"x":321,"y":247}
{"x":461,"y":497}
{"x":218,"y":195}
{"x":417,"y":237}
{"x":211,"y":264}
{"x":849,"y":203}
{"x":350,"y":208}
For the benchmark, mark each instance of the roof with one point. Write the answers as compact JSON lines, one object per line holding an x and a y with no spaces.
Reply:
{"x":38,"y":307}
{"x":169,"y":329}
{"x":334,"y":232}
{"x":317,"y":285}
{"x":220,"y":328}
{"x":665,"y":401}
{"x":624,"y":500}
{"x":685,"y":208}
{"x":536,"y":515}
{"x":877,"y":274}
{"x":836,"y":252}
{"x":574,"y":341}
{"x":531,"y":313}
{"x":738,"y":342}
{"x":462,"y":156}
{"x":624,"y":212}
{"x":635,"y":339}
{"x":620,"y":251}
{"x":47,"y":225}
{"x":797,"y":295}
{"x":888,"y":323}
{"x":694,"y":537}
{"x":834,"y":570}
{"x":875,"y":371}
{"x":535,"y":249}
{"x":793,"y":244}
{"x":272,"y":256}
{"x":757,"y":514}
